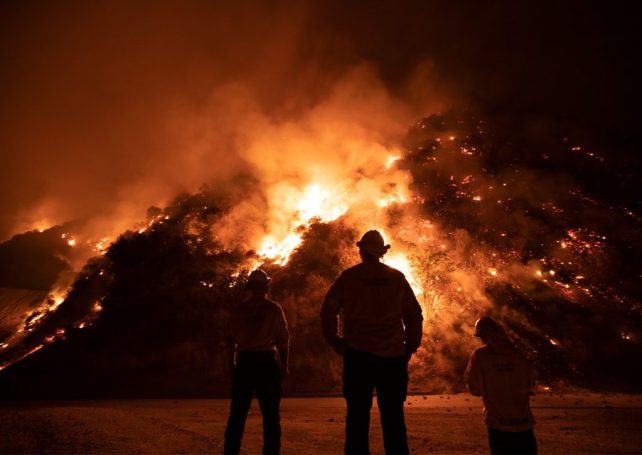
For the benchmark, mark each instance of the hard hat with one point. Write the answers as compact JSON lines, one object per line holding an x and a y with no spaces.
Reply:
{"x":487,"y":325}
{"x":372,"y":242}
{"x":257,"y":276}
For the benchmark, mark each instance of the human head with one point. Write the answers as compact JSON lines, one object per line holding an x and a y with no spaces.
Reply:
{"x":372,"y":246}
{"x":258,"y":282}
{"x":487,"y":329}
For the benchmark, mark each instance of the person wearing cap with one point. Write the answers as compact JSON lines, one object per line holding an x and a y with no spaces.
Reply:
{"x":381,"y":324}
{"x":502,"y":376}
{"x":258,"y":356}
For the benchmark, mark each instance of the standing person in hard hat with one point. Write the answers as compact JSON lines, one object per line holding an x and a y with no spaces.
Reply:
{"x":502,"y":376}
{"x":381,"y":329}
{"x":258,"y":356}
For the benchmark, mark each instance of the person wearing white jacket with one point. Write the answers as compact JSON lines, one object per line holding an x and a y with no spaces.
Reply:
{"x":502,"y":376}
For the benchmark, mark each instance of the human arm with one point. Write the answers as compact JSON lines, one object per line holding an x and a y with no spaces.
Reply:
{"x":283,"y":344}
{"x":472,"y":376}
{"x":231,"y":357}
{"x":330,"y":310}
{"x":229,"y":347}
{"x":284,"y":353}
{"x":412,"y":319}
{"x":531,"y":378}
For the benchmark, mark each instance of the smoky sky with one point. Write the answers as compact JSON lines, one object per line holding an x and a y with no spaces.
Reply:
{"x":90,"y":91}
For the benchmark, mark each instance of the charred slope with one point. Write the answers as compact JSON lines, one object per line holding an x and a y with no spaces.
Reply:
{"x":150,"y":325}
{"x":154,"y":311}
{"x":562,"y":215}
{"x":164,"y":310}
{"x":522,"y":233}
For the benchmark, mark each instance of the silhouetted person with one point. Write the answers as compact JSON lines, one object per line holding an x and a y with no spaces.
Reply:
{"x":502,"y":376}
{"x":381,"y":329}
{"x":258,"y":355}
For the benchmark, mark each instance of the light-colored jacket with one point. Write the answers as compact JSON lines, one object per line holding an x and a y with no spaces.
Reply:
{"x":257,"y":326}
{"x":503,"y":378}
{"x":379,"y":311}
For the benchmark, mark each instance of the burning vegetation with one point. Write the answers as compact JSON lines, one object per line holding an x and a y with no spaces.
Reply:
{"x":483,"y":218}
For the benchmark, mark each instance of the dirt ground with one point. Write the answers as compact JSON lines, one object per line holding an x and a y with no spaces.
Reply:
{"x":443,"y":424}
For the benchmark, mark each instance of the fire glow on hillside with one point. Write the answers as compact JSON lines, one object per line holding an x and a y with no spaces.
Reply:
{"x":156,"y":152}
{"x":473,"y":234}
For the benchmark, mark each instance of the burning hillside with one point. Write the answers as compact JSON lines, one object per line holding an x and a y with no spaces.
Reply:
{"x":477,"y":228}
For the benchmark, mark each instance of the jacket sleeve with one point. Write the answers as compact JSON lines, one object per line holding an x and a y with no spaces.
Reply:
{"x":332,"y":305}
{"x":282,"y":337}
{"x":531,"y":377}
{"x":412,"y":319}
{"x":229,"y":337}
{"x":472,"y":375}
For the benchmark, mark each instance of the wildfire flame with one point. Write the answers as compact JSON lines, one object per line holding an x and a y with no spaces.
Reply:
{"x":452,"y":268}
{"x":327,"y":203}
{"x":315,"y":202}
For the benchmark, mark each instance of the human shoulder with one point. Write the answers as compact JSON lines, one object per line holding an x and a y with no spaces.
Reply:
{"x":482,"y":352}
{"x":238,"y":306}
{"x":351,"y":271}
{"x":396,"y":272}
{"x":274,"y":305}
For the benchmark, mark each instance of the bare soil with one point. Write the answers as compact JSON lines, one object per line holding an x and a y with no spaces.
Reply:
{"x":443,"y":424}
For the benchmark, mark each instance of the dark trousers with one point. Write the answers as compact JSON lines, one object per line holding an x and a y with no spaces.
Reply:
{"x":362,"y":373}
{"x":513,"y":443}
{"x":255,"y":372}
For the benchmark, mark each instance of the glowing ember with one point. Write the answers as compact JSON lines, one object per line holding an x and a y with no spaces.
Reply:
{"x":57,"y":298}
{"x":34,"y":319}
{"x":102,"y":246}
{"x":391,"y":160}
{"x":460,"y":252}
{"x":41,"y":226}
